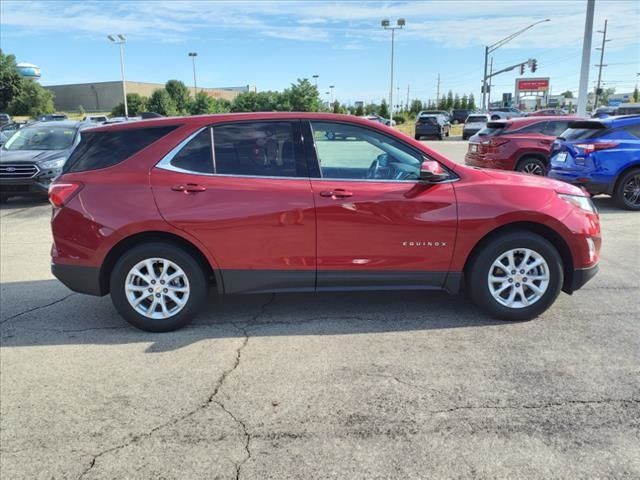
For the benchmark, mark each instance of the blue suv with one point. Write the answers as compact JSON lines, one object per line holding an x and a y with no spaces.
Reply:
{"x":602,"y":155}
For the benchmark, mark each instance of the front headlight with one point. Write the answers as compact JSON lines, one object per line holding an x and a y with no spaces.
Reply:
{"x":53,"y":164}
{"x":579,"y":201}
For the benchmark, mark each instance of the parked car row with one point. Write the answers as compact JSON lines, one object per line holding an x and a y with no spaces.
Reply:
{"x":600,"y":155}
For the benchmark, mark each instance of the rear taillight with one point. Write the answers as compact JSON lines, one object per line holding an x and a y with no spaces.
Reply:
{"x":495,"y":142}
{"x":61,"y":193}
{"x":594,"y":147}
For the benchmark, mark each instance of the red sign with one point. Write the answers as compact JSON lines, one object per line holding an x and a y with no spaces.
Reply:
{"x":528,"y":85}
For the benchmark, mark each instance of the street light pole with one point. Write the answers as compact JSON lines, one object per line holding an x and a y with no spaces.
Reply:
{"x":315,"y":78}
{"x":120,"y":39}
{"x":492,"y":48}
{"x":400,"y":23}
{"x":193,"y":56}
{"x":331,"y":87}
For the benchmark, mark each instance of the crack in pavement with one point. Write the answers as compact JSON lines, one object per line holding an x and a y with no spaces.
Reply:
{"x":36,"y":308}
{"x":403,"y":382}
{"x":211,"y":399}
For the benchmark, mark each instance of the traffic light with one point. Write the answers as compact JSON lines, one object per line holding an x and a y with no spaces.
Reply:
{"x":534,"y":65}
{"x":522,"y":69}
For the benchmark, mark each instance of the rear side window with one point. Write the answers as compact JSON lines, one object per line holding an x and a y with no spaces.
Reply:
{"x":634,"y":130}
{"x":104,"y":149}
{"x":533,"y":128}
{"x":476,"y":119}
{"x":257,"y":149}
{"x":196,"y":155}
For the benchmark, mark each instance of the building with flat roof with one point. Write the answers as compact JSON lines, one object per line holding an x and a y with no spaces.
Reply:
{"x":104,"y":96}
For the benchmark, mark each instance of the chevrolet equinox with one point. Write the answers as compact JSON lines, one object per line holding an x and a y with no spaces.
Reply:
{"x":156,"y":212}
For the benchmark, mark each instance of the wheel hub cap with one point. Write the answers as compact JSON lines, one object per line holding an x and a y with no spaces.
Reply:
{"x":518,"y":278}
{"x":157,"y":288}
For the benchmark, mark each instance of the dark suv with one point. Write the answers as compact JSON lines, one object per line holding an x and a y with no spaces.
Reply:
{"x":34,"y":155}
{"x":156,"y":212}
{"x":432,"y":125}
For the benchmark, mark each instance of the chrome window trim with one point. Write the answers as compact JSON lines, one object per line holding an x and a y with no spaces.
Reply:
{"x":165,"y":162}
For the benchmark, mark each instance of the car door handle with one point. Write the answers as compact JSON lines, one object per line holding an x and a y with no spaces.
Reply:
{"x":337,"y":193}
{"x":189,"y":188}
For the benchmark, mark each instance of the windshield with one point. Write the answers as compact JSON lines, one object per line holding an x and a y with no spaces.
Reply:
{"x":477,"y":119}
{"x":41,"y":138}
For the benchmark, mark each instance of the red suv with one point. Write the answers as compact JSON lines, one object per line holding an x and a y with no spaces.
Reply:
{"x":521,"y":144}
{"x":156,"y":212}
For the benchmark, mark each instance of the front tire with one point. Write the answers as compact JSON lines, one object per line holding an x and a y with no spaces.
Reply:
{"x":532,"y":166}
{"x":158,"y":287}
{"x":499,"y":292}
{"x":627,"y":193}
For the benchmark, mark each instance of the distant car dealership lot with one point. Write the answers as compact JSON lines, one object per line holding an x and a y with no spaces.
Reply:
{"x":344,"y":385}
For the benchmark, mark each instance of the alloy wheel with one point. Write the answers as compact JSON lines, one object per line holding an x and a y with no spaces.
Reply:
{"x":157,"y":288}
{"x":518,"y":278}
{"x":533,"y":169}
{"x":631,"y":191}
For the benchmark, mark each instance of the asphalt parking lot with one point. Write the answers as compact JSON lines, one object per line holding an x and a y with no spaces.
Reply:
{"x":367,"y":385}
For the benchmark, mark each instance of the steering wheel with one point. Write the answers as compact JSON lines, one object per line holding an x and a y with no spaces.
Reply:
{"x":379,"y":166}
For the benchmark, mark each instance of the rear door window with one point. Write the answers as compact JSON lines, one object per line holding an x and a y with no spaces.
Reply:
{"x":104,"y":149}
{"x":533,"y":128}
{"x":265,"y":149}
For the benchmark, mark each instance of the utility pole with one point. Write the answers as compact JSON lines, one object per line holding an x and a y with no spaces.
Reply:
{"x":438,"y":92}
{"x":583,"y":91}
{"x":600,"y":65}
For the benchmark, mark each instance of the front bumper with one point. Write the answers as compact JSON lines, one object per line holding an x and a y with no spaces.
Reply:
{"x":580,"y":277}
{"x":79,"y":278}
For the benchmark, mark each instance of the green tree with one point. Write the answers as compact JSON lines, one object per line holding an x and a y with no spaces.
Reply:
{"x":384,"y":109}
{"x":302,"y":96}
{"x":203,"y":103}
{"x":567,"y":94}
{"x":359,"y":110}
{"x":449,"y":101}
{"x":636,"y":94}
{"x":442,"y":103}
{"x":259,"y":102}
{"x":162,"y":103}
{"x":603,"y":99}
{"x":180,"y":95}
{"x":136,"y":104}
{"x":416,"y":106}
{"x":10,"y":80}
{"x":33,"y":100}
{"x":370,"y":108}
{"x":456,"y":102}
{"x":464,"y":102}
{"x":471,"y":104}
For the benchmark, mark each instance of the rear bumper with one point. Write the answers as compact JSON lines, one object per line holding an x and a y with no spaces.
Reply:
{"x":428,"y":131}
{"x":79,"y":278}
{"x":580,"y":277}
{"x":581,"y":179}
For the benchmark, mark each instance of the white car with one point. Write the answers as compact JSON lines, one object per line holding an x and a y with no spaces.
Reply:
{"x":473,"y":124}
{"x":505,"y":113}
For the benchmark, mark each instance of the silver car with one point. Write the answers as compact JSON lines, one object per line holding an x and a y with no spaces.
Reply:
{"x":473,"y":124}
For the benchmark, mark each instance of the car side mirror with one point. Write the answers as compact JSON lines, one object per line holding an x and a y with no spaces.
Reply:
{"x":432,"y":172}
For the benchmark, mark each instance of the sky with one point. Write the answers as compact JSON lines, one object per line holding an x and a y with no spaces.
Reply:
{"x":271,"y":44}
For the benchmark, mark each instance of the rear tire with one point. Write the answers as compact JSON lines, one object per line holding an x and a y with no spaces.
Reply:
{"x":418,"y":137}
{"x":532,"y":166}
{"x":131,"y":280}
{"x":440,"y":137}
{"x":535,"y":290}
{"x":627,"y":193}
